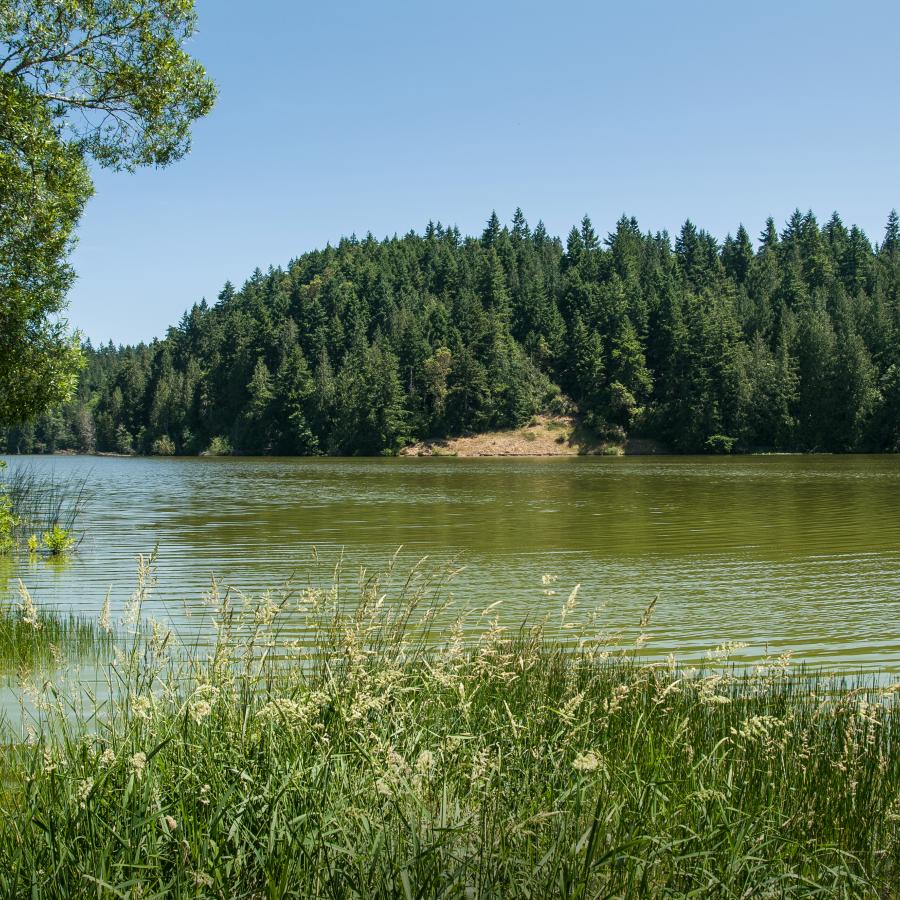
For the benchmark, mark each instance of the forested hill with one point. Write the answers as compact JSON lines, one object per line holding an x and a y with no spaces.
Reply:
{"x":362,"y":347}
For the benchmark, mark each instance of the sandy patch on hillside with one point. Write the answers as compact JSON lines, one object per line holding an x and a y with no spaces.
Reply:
{"x":544,"y":436}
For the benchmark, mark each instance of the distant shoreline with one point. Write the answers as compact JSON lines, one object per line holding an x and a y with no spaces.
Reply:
{"x":490,"y":445}
{"x":544,"y":437}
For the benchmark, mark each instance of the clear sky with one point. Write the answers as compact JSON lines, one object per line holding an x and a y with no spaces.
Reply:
{"x":355,"y":116}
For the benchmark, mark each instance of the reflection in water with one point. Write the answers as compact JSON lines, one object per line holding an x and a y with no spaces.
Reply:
{"x":798,"y":553}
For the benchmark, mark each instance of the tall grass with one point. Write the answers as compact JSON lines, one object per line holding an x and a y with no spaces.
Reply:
{"x":42,"y":502}
{"x":371,"y":754}
{"x":35,"y":640}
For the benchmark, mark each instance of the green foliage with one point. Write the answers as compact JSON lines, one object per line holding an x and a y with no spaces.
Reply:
{"x":720,"y":443}
{"x":124,"y":58}
{"x":44,"y":185}
{"x":163,"y":446}
{"x":218,"y":446}
{"x":58,"y":541}
{"x":7,"y":524}
{"x":364,"y":346}
{"x":107,"y":81}
{"x":124,"y":441}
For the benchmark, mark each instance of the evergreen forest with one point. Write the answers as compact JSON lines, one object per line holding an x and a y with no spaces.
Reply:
{"x":789,"y":343}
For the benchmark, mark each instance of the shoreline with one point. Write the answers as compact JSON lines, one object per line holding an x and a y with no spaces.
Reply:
{"x":544,"y":437}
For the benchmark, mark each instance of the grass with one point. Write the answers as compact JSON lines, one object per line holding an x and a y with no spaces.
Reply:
{"x":370,"y":753}
{"x":44,"y":505}
{"x":34,"y":640}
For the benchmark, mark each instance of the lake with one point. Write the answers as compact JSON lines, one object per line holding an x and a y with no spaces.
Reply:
{"x":797,"y":553}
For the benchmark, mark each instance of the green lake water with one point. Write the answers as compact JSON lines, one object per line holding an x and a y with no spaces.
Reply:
{"x":797,"y":553}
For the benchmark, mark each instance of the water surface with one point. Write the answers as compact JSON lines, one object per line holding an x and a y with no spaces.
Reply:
{"x":782,"y":552}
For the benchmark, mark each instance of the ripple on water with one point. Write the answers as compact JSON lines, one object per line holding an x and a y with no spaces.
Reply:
{"x":799,"y":553}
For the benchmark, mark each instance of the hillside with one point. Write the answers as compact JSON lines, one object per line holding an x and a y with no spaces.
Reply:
{"x":370,"y":346}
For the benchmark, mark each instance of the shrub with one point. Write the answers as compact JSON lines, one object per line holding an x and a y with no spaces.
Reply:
{"x":218,"y":446}
{"x":613,"y":433}
{"x":163,"y":446}
{"x":7,"y":524}
{"x":720,"y":443}
{"x":58,"y":541}
{"x":124,"y":441}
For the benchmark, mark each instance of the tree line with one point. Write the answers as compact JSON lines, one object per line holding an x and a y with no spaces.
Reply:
{"x":360,"y":348}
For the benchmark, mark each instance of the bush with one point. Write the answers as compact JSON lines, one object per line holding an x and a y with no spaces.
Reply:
{"x":7,"y":524}
{"x":58,"y":541}
{"x":720,"y":443}
{"x":218,"y":446}
{"x":163,"y":446}
{"x":124,"y":441}
{"x":561,"y":405}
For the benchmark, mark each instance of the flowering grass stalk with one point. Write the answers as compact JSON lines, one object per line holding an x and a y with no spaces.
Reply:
{"x":35,"y":640}
{"x":367,"y":752}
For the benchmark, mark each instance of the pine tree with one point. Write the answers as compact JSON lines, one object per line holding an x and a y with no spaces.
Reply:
{"x":257,"y":412}
{"x":574,"y":247}
{"x":737,"y":255}
{"x":294,"y":389}
{"x":491,"y":233}
{"x":891,"y":243}
{"x":768,"y":238}
{"x":630,"y":379}
{"x":588,"y":372}
{"x":589,"y":240}
{"x":520,"y":231}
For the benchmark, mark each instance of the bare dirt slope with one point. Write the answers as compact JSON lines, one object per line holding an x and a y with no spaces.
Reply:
{"x":543,"y":436}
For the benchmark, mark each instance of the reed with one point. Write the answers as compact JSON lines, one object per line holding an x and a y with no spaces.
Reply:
{"x":367,"y":752}
{"x":35,"y":640}
{"x":43,"y":503}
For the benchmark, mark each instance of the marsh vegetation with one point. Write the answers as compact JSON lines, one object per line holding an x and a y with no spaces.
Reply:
{"x":373,"y":753}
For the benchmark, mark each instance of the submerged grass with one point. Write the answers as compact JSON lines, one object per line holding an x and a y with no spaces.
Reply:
{"x":375,"y":756}
{"x":39,"y":640}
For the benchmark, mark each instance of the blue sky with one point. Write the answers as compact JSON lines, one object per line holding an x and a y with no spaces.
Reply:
{"x":339,"y":118}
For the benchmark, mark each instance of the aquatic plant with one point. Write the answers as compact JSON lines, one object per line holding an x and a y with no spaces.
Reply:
{"x":57,"y":541}
{"x":339,"y":738}
{"x":7,"y":519}
{"x":39,"y":640}
{"x":7,"y":525}
{"x":45,"y":504}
